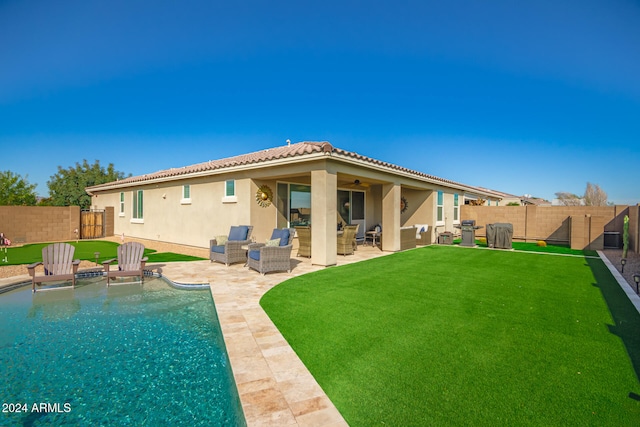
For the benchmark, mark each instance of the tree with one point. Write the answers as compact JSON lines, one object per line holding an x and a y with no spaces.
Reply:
{"x":66,"y":187}
{"x":594,"y":195}
{"x":15,"y":190}
{"x":568,"y":199}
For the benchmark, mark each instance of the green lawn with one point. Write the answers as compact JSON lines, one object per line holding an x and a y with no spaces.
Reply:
{"x":85,"y":249}
{"x":551,"y":249}
{"x":450,"y":336}
{"x":533,"y":247}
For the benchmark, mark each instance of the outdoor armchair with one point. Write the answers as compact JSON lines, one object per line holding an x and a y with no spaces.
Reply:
{"x":275,"y":255}
{"x":59,"y":265}
{"x":232,"y":248}
{"x":423,"y":234}
{"x":131,"y":262}
{"x":345,"y":240}
{"x":355,"y":228}
{"x":304,"y":240}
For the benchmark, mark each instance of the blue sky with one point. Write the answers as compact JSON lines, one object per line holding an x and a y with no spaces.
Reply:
{"x":524,"y":98}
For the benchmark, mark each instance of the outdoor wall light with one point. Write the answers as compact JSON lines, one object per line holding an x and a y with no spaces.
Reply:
{"x":636,"y":278}
{"x":623,"y":261}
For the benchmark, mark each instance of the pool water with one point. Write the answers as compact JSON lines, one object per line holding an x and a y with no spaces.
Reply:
{"x":126,"y":355}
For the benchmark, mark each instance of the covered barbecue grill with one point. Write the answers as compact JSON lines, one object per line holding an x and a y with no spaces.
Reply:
{"x":500,"y":235}
{"x":468,"y":228}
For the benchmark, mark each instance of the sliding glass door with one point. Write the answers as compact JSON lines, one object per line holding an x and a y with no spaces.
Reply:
{"x":294,"y":205}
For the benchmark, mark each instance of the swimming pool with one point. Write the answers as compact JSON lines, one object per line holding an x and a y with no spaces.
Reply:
{"x":139,"y":355}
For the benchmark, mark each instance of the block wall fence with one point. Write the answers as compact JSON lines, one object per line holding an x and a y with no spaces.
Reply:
{"x":35,"y":224}
{"x":582,"y":227}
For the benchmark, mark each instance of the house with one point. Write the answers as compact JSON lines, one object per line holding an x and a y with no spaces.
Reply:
{"x":500,"y":198}
{"x":295,"y":184}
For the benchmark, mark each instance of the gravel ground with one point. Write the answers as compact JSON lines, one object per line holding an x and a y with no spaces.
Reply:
{"x":19,"y":270}
{"x":631,"y":267}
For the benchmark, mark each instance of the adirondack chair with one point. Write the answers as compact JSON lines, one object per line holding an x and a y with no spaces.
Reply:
{"x":130,"y":262}
{"x":59,"y":265}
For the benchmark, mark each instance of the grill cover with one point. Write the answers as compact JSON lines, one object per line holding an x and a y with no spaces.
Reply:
{"x":500,"y":235}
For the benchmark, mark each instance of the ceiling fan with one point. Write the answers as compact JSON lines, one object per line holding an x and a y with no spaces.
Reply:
{"x":358,"y":184}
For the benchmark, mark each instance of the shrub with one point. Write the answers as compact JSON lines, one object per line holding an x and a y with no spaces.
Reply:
{"x":542,"y":243}
{"x":482,"y":240}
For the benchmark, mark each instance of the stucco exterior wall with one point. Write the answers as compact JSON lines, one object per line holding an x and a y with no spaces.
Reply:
{"x":168,"y":218}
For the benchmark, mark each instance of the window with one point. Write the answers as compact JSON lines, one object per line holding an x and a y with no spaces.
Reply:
{"x":230,"y":191}
{"x":186,"y":194}
{"x":440,"y":217}
{"x":138,"y":206}
{"x":456,"y":208}
{"x":230,"y":188}
{"x":121,"y":204}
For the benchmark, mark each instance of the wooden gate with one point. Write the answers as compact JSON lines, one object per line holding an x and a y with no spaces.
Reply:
{"x":92,"y":224}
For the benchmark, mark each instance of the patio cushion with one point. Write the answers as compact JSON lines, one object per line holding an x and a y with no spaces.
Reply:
{"x":238,"y":232}
{"x":221,"y":240}
{"x":283,"y":235}
{"x":273,"y":242}
{"x":421,"y":228}
{"x":219,"y":249}
{"x":254,"y":255}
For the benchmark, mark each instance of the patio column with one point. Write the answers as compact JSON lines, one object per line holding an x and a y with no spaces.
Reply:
{"x":324,"y":192}
{"x":391,"y":217}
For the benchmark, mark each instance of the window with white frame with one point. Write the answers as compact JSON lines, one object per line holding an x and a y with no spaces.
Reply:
{"x":456,"y":209}
{"x":186,"y":194}
{"x":440,"y":207}
{"x":230,"y":191}
{"x":121,"y":213}
{"x":138,"y":206}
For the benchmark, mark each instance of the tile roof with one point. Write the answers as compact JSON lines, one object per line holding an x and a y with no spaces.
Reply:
{"x":300,"y":149}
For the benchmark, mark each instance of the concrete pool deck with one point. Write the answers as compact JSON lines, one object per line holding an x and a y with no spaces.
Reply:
{"x":275,"y":387}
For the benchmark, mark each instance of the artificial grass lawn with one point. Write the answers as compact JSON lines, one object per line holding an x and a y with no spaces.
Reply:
{"x":85,"y":249}
{"x":454,"y":336}
{"x":533,"y":247}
